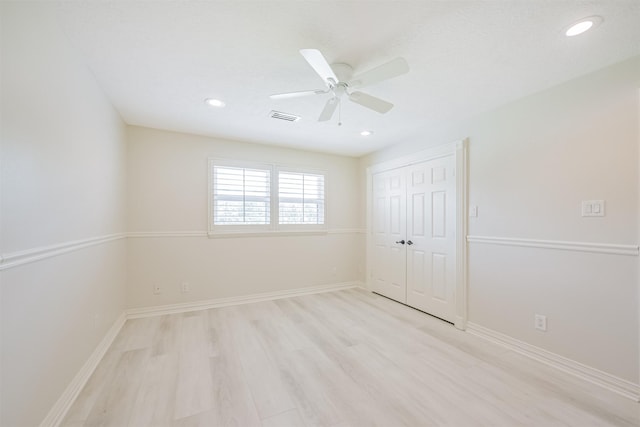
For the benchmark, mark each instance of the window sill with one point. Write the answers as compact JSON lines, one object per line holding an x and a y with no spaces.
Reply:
{"x":276,"y":233}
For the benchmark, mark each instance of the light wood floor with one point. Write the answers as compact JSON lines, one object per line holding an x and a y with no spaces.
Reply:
{"x":348,"y":358}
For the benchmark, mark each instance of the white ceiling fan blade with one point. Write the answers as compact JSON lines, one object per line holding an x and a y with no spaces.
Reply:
{"x":386,"y":71}
{"x":329,"y":109}
{"x":371,"y":102}
{"x":297,"y":94}
{"x":319,"y":64}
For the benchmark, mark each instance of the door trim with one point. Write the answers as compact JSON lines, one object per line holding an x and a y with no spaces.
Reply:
{"x":460,"y":150}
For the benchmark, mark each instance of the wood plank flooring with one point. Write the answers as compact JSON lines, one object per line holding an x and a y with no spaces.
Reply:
{"x":347,"y":358}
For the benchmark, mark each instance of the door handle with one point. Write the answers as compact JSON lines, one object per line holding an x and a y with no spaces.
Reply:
{"x":401,"y":242}
{"x":409,"y":242}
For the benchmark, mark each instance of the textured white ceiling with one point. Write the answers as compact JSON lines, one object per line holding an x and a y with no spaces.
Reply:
{"x":157,"y":60}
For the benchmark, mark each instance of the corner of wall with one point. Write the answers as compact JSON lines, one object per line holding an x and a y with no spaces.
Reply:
{"x":638,"y":229}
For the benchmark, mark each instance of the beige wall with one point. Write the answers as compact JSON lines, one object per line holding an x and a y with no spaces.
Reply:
{"x":532,"y":162}
{"x":167,"y":193}
{"x":62,"y":180}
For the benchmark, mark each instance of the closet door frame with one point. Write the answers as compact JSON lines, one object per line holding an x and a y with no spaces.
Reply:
{"x":460,"y":151}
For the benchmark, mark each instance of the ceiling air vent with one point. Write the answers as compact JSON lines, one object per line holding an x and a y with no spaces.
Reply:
{"x":284,"y":116}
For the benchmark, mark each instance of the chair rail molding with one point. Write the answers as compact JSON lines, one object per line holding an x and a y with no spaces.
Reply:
{"x":603,"y":248}
{"x":277,"y":233}
{"x":18,"y":258}
{"x":153,"y":234}
{"x":15,"y":259}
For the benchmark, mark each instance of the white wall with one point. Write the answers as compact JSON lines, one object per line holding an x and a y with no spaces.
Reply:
{"x":167,"y":193}
{"x":531,"y":163}
{"x":62,"y":180}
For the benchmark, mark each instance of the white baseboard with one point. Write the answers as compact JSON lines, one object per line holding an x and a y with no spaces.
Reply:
{"x":135,"y":313}
{"x":62,"y":406}
{"x":610,"y":382}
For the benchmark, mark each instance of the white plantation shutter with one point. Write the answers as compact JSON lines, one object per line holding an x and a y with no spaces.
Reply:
{"x":241,"y":196}
{"x":300,"y":198}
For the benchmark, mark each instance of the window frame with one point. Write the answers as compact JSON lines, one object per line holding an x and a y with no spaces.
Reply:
{"x":299,"y":227}
{"x":234,"y":228}
{"x":274,"y":227}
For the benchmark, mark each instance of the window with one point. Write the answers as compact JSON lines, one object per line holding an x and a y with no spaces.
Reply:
{"x":247,"y":198}
{"x":241,"y":196}
{"x":300,"y":198}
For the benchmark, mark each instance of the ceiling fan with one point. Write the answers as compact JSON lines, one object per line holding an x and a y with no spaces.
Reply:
{"x":339,"y":81}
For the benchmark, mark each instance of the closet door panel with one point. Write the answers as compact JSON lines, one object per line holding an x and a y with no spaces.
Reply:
{"x":431,"y":231}
{"x":389,"y":227}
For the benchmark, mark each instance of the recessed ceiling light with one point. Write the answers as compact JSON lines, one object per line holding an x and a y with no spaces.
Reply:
{"x":366,"y":133}
{"x":214,"y":102}
{"x":583,"y":25}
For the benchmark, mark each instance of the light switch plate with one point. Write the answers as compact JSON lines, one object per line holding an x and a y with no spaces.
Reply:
{"x":593,"y":208}
{"x":473,"y":211}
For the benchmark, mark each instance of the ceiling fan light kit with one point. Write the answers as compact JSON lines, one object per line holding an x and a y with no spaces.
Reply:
{"x":339,"y":83}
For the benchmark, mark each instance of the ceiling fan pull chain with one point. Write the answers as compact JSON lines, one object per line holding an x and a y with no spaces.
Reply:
{"x":339,"y":112}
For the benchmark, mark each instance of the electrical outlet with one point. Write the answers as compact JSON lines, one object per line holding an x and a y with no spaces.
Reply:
{"x":540,"y":322}
{"x":157,"y":290}
{"x":185,"y":287}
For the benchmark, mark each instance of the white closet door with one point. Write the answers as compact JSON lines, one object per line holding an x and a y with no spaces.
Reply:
{"x":431,"y":237}
{"x":389,"y":227}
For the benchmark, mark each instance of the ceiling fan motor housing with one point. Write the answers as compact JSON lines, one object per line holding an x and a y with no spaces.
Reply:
{"x":343,"y":72}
